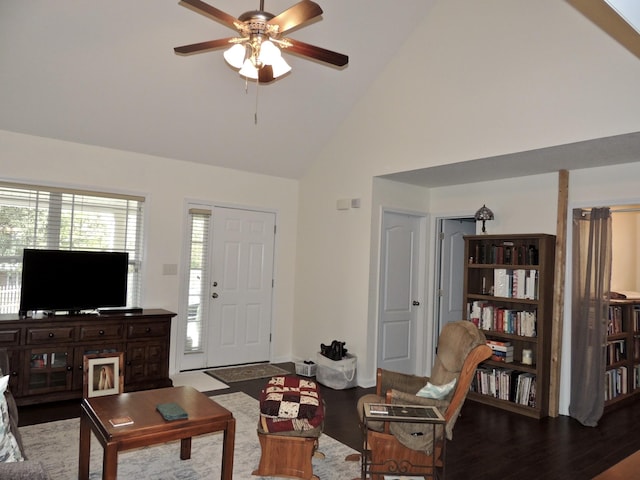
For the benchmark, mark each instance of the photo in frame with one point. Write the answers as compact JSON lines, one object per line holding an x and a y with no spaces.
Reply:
{"x":103,"y":374}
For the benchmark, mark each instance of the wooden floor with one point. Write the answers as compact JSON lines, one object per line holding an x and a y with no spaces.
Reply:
{"x":488,"y":443}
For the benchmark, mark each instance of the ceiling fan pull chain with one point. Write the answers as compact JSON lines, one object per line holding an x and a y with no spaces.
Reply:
{"x":255,"y":115}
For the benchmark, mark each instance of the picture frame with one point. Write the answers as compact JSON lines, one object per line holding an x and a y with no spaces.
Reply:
{"x":103,"y":374}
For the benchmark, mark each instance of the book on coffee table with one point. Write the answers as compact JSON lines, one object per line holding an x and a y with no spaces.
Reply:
{"x":171,"y":411}
{"x":121,"y":421}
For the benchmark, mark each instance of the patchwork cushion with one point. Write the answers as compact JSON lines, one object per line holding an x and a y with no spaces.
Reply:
{"x":289,"y":403}
{"x":9,"y":449}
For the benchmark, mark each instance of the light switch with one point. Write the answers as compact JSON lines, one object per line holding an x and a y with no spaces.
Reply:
{"x":343,"y":204}
{"x":169,"y":269}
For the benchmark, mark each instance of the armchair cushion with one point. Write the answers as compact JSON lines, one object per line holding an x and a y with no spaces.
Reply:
{"x":437,"y":391}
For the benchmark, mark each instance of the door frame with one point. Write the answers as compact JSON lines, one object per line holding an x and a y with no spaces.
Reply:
{"x":422,"y":331}
{"x":178,"y":327}
{"x":437,"y":272}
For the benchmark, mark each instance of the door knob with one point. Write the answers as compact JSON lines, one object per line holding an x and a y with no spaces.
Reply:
{"x":215,"y":295}
{"x":416,"y":303}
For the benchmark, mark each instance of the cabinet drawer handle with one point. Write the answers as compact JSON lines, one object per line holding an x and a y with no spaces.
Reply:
{"x":51,"y":335}
{"x":148,"y":330}
{"x":101,"y":332}
{"x":69,"y":368}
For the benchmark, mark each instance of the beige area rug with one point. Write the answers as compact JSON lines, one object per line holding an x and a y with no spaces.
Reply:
{"x":56,"y":445}
{"x":246,"y":372}
{"x":198,"y":380}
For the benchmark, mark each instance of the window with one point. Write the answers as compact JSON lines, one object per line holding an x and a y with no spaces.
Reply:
{"x":199,"y":225}
{"x":64,"y":219}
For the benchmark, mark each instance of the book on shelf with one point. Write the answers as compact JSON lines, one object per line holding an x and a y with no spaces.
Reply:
{"x":615,"y":383}
{"x":502,"y":357}
{"x":499,"y":344}
{"x":493,"y":318}
{"x":615,"y":351}
{"x":506,"y":253}
{"x":506,"y":384}
{"x":501,"y":351}
{"x":614,"y":325}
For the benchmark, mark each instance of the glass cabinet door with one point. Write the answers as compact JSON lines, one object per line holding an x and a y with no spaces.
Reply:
{"x":49,"y":369}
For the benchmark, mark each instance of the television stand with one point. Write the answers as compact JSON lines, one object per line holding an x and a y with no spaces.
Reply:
{"x":46,"y":354}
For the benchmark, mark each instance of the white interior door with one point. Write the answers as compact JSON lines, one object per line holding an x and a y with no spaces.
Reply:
{"x":241,"y":286}
{"x":399,"y":301}
{"x":450,"y":283}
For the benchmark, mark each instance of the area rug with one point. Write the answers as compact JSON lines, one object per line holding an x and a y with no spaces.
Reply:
{"x":246,"y":372}
{"x":198,"y":380}
{"x":55,"y":444}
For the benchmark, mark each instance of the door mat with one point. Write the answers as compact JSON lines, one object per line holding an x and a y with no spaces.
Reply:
{"x":246,"y":372}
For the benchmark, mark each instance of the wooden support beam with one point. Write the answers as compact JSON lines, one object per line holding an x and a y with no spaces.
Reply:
{"x":558,"y":292}
{"x":611,"y":21}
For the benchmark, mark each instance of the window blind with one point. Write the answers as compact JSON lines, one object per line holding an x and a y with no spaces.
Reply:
{"x":197,"y":307}
{"x":54,"y":218}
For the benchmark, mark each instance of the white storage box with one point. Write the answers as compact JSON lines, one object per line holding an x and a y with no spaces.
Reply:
{"x":337,"y":374}
{"x":306,"y":369}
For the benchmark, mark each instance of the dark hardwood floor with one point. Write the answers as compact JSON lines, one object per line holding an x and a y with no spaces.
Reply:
{"x":488,"y":443}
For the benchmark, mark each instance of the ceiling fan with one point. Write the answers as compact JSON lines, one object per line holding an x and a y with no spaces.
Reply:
{"x":256,"y":52}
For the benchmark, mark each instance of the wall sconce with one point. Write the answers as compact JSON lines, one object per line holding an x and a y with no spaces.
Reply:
{"x":484,"y":214}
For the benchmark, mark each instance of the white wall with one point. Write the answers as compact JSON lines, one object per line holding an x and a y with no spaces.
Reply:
{"x":475,"y":79}
{"x":166,"y":184}
{"x":624,"y":269}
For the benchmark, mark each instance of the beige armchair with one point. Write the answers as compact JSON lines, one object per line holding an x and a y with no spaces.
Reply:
{"x":408,"y":448}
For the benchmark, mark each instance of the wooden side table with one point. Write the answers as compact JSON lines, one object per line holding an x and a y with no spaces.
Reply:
{"x":149,"y":428}
{"x":390,"y":466}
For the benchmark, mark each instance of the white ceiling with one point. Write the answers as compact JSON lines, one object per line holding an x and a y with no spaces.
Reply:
{"x":104,"y":73}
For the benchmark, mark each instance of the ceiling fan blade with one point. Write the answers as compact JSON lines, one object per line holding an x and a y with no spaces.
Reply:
{"x":265,"y":74}
{"x":296,"y":15}
{"x":311,"y":51}
{"x":203,"y":46}
{"x":208,"y":10}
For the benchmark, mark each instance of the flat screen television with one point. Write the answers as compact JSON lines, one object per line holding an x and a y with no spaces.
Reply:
{"x":72,"y":281}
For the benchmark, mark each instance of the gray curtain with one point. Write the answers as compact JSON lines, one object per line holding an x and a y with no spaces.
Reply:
{"x":589,"y":313}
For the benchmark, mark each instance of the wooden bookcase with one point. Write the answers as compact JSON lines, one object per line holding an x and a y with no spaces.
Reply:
{"x":508,"y":294}
{"x":622,"y":352}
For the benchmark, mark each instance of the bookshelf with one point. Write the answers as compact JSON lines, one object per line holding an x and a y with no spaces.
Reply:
{"x":508,"y":294}
{"x":622,"y":352}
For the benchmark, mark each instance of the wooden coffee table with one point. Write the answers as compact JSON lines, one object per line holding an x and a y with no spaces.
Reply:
{"x":149,"y":428}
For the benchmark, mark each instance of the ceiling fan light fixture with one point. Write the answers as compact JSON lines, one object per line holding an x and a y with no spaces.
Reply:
{"x":249,"y":70}
{"x":280,"y":67}
{"x":269,"y":53}
{"x":235,"y":55}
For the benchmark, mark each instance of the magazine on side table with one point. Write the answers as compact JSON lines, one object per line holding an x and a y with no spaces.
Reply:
{"x":394,"y":412}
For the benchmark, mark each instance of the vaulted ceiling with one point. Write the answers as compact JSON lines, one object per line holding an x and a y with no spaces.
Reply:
{"x":105,"y":73}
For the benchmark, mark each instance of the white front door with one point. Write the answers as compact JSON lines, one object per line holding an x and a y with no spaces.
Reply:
{"x":241,"y":286}
{"x":450,"y":283}
{"x":229,"y":287}
{"x":399,"y":299}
